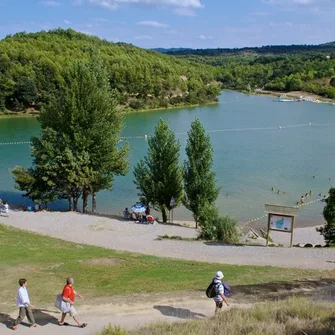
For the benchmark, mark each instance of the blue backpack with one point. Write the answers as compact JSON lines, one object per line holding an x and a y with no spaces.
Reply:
{"x":211,"y":291}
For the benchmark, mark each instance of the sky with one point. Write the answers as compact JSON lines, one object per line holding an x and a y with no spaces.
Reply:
{"x":178,"y":23}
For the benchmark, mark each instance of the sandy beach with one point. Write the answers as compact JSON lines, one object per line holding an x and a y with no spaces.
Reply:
{"x":129,"y":236}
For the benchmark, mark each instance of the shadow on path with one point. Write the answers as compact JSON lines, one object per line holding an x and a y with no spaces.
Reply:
{"x":181,"y":313}
{"x":6,"y":320}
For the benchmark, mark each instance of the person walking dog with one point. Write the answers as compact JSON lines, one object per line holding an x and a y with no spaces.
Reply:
{"x":23,"y":302}
{"x":68,"y":297}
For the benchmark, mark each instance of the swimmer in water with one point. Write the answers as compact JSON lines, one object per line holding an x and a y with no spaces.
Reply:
{"x":227,"y":194}
{"x":272,"y":189}
{"x":278,"y":192}
{"x":313,"y":177}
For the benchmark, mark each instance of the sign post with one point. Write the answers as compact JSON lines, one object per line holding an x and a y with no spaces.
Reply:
{"x":172,"y":204}
{"x":280,"y":218}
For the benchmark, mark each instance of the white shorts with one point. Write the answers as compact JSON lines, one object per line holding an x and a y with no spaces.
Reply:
{"x":72,"y":311}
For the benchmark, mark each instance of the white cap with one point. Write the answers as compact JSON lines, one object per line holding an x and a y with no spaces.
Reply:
{"x":219,"y":275}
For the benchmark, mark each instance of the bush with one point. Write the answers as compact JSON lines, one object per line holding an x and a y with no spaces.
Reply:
{"x":328,"y":230}
{"x":216,"y":227}
{"x":226,"y":230}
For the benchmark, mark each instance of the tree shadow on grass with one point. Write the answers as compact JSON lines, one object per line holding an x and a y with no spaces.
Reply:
{"x":181,"y":313}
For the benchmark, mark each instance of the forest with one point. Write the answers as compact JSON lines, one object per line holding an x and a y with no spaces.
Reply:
{"x":276,"y":68}
{"x":32,"y":66}
{"x":32,"y":69}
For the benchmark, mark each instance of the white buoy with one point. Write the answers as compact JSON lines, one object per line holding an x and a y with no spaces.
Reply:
{"x":310,"y":123}
{"x":145,"y":137}
{"x":279,"y":127}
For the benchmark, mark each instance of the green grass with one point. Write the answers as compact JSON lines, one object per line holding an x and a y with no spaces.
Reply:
{"x":297,"y":316}
{"x":100,"y":272}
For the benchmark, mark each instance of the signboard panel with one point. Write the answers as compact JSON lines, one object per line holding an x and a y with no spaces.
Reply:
{"x":281,"y":223}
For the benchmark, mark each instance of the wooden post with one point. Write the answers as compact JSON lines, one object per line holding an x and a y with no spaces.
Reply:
{"x":292,"y":231}
{"x":268,"y":233}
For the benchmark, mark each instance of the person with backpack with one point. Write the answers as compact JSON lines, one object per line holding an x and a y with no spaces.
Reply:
{"x":218,"y":291}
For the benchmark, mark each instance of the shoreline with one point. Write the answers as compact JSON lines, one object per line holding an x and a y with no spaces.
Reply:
{"x":292,"y":94}
{"x":13,"y":115}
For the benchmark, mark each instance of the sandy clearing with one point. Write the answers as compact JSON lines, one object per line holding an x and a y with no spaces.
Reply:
{"x":129,"y":236}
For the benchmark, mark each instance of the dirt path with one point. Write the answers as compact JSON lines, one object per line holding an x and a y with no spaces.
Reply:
{"x":129,"y":236}
{"x":129,"y":314}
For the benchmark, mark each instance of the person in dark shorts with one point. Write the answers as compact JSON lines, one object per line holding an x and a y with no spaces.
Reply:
{"x":220,"y":298}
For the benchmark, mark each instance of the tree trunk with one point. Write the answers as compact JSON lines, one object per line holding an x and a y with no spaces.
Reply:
{"x":70,"y":203}
{"x":85,"y":201}
{"x":164,"y":216}
{"x":75,"y":204}
{"x":94,"y":202}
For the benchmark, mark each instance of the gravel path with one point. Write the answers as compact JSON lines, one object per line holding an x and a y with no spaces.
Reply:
{"x":129,"y":236}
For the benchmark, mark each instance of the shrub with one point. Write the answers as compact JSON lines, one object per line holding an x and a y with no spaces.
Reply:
{"x":328,"y":230}
{"x":216,"y":227}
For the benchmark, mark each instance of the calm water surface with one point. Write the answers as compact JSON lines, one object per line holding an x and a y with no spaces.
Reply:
{"x":252,"y":154}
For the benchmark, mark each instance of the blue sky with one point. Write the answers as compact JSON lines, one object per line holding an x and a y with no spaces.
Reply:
{"x":178,"y":23}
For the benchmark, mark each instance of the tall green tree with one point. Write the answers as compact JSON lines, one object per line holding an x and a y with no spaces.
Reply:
{"x":328,"y":230}
{"x":158,"y":176}
{"x":199,"y":179}
{"x":78,"y":152}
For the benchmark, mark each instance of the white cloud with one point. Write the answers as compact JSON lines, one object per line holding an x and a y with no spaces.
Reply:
{"x":50,"y":3}
{"x":67,"y":22}
{"x":143,"y":37}
{"x":184,"y":11}
{"x":204,"y":37}
{"x":154,"y":24}
{"x":114,"y":4}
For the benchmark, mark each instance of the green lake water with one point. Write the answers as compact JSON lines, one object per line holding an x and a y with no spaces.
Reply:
{"x":252,"y":153}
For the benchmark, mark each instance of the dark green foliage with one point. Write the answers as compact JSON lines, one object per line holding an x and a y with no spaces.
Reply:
{"x":78,"y":152}
{"x":158,"y":176}
{"x":199,"y":180}
{"x":141,"y":78}
{"x":328,"y":230}
{"x":216,"y":227}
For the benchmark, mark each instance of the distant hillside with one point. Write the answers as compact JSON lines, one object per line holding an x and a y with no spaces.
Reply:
{"x":264,"y":50}
{"x":31,"y":66}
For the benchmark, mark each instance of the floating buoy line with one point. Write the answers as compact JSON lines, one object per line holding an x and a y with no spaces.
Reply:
{"x":280,"y":127}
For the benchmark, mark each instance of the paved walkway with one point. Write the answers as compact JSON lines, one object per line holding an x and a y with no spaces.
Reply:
{"x":129,"y":236}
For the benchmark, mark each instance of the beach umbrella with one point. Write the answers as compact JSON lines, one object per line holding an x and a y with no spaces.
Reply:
{"x":139,"y":208}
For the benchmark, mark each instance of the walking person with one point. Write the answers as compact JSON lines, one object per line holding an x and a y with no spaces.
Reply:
{"x":23,"y":302}
{"x":68,"y":297}
{"x":219,"y":290}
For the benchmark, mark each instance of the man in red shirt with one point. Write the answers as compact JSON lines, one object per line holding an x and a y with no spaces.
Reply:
{"x":68,"y":296}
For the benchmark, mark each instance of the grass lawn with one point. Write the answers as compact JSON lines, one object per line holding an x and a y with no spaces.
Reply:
{"x":99,"y":272}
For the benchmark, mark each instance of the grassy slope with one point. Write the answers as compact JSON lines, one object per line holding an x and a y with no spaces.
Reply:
{"x":98,"y":272}
{"x":289,"y":317}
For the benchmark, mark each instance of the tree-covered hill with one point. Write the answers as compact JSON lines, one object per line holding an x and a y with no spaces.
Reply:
{"x":31,"y":66}
{"x":310,"y":68}
{"x":264,"y":50}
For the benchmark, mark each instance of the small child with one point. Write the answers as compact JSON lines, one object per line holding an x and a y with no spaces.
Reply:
{"x":126,"y":213}
{"x":23,"y":302}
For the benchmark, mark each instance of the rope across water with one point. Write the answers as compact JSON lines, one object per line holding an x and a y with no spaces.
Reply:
{"x":211,"y":131}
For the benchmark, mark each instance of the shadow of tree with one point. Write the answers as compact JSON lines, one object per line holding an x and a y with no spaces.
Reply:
{"x":181,"y":313}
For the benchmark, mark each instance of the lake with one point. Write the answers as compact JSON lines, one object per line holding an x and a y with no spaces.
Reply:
{"x":258,"y":143}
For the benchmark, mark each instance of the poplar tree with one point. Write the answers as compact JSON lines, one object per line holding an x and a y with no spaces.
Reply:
{"x":158,"y":176}
{"x":199,"y":179}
